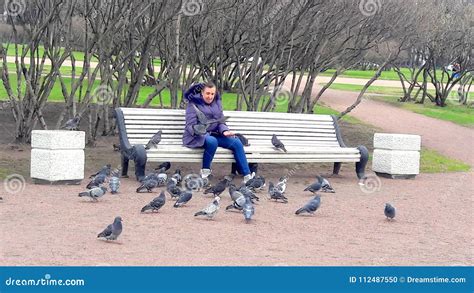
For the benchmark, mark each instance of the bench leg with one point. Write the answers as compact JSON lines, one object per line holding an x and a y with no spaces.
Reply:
{"x":140,"y":161}
{"x":336,"y":168}
{"x":364,"y":158}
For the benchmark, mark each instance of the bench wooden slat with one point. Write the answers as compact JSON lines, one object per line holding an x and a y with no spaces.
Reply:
{"x":236,"y":126}
{"x":294,"y":134}
{"x":283,"y":138}
{"x":178,"y":142}
{"x":257,"y":149}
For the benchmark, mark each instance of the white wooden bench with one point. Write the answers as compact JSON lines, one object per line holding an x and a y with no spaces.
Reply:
{"x":307,"y":138}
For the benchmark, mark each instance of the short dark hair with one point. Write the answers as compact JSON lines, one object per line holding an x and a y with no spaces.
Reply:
{"x":209,"y":84}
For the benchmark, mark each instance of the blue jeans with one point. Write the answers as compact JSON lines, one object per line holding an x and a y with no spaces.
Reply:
{"x":232,"y":143}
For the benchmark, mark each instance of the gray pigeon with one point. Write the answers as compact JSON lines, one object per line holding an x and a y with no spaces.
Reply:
{"x":277,"y":143}
{"x":94,"y":193}
{"x":314,"y":187}
{"x":112,"y":231}
{"x":275,"y":193}
{"x":237,"y":204}
{"x":163,"y":167}
{"x":234,"y":193}
{"x":97,"y":181}
{"x":211,"y":210}
{"x":154,"y":140}
{"x":114,"y":184}
{"x":311,"y":206}
{"x":281,"y":185}
{"x":200,"y":129}
{"x":156,"y":203}
{"x":172,"y":189}
{"x":116,"y":147}
{"x":202,"y":118}
{"x":148,"y":185}
{"x":72,"y":124}
{"x":325,"y":185}
{"x":217,"y":189}
{"x":389,"y":211}
{"x":256,"y":184}
{"x":177,"y":176}
{"x":247,"y":192}
{"x":248,"y":210}
{"x":242,"y":139}
{"x":104,"y":170}
{"x":184,"y":197}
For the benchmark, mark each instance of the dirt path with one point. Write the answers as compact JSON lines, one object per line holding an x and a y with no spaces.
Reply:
{"x":446,"y":137}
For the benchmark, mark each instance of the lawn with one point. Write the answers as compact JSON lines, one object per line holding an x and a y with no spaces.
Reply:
{"x":367,"y":74}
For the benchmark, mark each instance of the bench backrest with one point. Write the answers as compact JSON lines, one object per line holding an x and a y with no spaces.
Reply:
{"x":258,"y":127}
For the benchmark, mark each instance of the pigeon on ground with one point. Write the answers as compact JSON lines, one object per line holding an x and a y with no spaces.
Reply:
{"x":154,"y":140}
{"x":148,"y":185}
{"x":242,"y":139}
{"x":389,"y":211}
{"x":211,"y":210}
{"x":104,"y":170}
{"x":72,"y":124}
{"x":314,"y":187}
{"x":94,"y":193}
{"x":172,"y":189}
{"x":246,"y":191}
{"x":112,"y":231}
{"x":163,"y":167}
{"x":281,"y":185}
{"x":156,"y":203}
{"x":177,"y":176}
{"x":217,"y":189}
{"x":234,"y":192}
{"x":116,"y":147}
{"x":96,"y":181}
{"x":184,"y":197}
{"x":256,"y":184}
{"x":325,"y":185}
{"x":237,"y":204}
{"x":114,"y":182}
{"x":311,"y":206}
{"x":277,"y":143}
{"x":248,"y":210}
{"x":275,"y":193}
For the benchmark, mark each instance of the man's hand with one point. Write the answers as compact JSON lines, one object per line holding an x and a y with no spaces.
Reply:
{"x":228,"y":133}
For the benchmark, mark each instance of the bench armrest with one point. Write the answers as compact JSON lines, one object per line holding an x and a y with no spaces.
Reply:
{"x":338,"y":132}
{"x":123,"y":138}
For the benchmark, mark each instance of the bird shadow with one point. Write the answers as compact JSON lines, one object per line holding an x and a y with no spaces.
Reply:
{"x":109,"y":241}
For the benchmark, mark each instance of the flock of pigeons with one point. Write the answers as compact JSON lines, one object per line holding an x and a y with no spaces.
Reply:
{"x":181,"y":188}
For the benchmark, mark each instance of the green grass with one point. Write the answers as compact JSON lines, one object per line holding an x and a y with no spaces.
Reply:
{"x":460,"y":115}
{"x":433,"y":162}
{"x":373,"y":89}
{"x":367,"y":74}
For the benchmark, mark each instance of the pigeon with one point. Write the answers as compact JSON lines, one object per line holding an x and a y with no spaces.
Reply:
{"x":277,"y":143}
{"x":281,"y":185}
{"x":247,"y":192}
{"x":177,"y":176}
{"x":237,"y":204}
{"x":200,"y":129}
{"x":114,"y":184}
{"x":248,"y":210}
{"x":325,"y":185}
{"x":154,"y":140}
{"x":202,"y":118}
{"x":163,"y":167}
{"x":314,"y":187}
{"x":172,"y":189}
{"x":162,"y":178}
{"x":72,"y":124}
{"x":389,"y":211}
{"x":184,"y":197}
{"x":311,"y":206}
{"x":148,"y":185}
{"x":256,"y":184}
{"x":234,"y":192}
{"x":242,"y":139}
{"x":94,"y":193}
{"x":112,"y":231}
{"x":96,"y":181}
{"x":156,"y":203}
{"x":104,"y":170}
{"x":211,"y":210}
{"x":116,"y":147}
{"x":217,"y":189}
{"x":275,"y":193}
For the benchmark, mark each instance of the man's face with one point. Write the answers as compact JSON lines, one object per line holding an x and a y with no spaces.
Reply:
{"x":208,"y":94}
